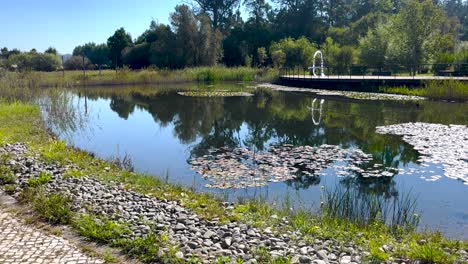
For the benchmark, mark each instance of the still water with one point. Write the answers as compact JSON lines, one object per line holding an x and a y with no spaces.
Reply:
{"x":162,"y":131}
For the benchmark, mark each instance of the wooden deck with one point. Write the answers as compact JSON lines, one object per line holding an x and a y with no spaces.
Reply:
{"x":363,"y":82}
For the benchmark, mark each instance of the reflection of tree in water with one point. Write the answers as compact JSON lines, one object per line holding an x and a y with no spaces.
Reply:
{"x":383,"y":186}
{"x":303,"y":182}
{"x":123,"y":107}
{"x":282,"y":119}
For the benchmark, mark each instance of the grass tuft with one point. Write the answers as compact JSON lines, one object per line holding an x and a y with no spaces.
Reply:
{"x":53,"y":208}
{"x":6,"y":175}
{"x":99,"y":229}
{"x":451,"y":90}
{"x":43,"y":179}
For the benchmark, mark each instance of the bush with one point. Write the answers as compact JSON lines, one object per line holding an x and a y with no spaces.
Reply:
{"x":76,"y":63}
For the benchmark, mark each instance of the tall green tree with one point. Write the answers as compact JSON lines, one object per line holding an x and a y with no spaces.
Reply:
{"x":220,"y":12}
{"x":373,"y":48}
{"x":414,"y":32}
{"x":184,"y":24}
{"x":117,"y":43}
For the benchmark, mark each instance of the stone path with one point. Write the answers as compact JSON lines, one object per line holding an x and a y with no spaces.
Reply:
{"x":20,"y":243}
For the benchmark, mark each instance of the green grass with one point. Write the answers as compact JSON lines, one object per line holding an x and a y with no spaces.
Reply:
{"x":443,"y":90}
{"x":53,"y":208}
{"x":22,"y":122}
{"x":43,"y":178}
{"x":99,"y":229}
{"x":6,"y":175}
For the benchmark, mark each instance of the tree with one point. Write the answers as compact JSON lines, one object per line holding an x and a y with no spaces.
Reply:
{"x":258,"y":9}
{"x":279,"y":58}
{"x":412,"y":33}
{"x":373,"y":48}
{"x":299,"y":53}
{"x":184,"y":24}
{"x":339,"y":58}
{"x":209,"y":43}
{"x":117,"y":43}
{"x":219,"y":11}
{"x":51,"y":50}
{"x":262,"y":56}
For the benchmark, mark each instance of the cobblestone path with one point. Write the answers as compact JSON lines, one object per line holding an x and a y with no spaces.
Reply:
{"x":20,"y":243}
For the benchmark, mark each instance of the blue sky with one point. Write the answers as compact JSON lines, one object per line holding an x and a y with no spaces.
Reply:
{"x":64,"y":24}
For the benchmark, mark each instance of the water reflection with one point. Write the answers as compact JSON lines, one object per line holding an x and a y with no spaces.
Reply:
{"x":192,"y":126}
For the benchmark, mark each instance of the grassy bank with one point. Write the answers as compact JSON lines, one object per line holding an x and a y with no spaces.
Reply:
{"x":22,"y":122}
{"x":441,"y":90}
{"x":138,"y":77}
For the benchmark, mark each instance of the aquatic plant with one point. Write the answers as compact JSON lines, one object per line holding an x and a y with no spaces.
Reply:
{"x":367,"y":208}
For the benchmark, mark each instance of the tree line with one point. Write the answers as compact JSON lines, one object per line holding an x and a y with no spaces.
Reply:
{"x":282,"y":33}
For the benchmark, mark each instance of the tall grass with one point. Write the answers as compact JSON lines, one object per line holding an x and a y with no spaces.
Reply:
{"x":363,"y":209}
{"x":125,"y":76}
{"x":445,"y":90}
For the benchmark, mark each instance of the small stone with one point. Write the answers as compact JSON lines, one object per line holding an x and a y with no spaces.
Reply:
{"x":209,"y":234}
{"x":305,"y":259}
{"x":345,"y":260}
{"x":180,"y":227}
{"x":322,"y":254}
{"x":179,"y":255}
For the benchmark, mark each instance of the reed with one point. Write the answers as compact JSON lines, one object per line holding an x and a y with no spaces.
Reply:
{"x":364,"y":209}
{"x":451,"y":90}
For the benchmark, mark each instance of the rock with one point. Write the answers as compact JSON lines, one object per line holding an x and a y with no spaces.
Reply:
{"x":322,"y":254}
{"x":305,"y":259}
{"x":345,"y":260}
{"x":209,"y":234}
{"x":319,"y":261}
{"x":180,"y":227}
{"x":226,"y":242}
{"x":179,"y":255}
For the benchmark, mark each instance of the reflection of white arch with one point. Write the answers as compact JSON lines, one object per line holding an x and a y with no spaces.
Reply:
{"x":322,"y":74}
{"x":319,"y":109}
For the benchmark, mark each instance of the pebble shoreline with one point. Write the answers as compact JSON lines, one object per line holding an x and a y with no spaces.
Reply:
{"x":207,"y":239}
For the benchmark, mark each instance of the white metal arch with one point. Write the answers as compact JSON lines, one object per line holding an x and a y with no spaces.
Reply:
{"x":322,"y":73}
{"x":318,"y":109}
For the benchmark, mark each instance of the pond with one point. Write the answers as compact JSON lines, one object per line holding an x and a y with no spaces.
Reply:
{"x":163,"y":131}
